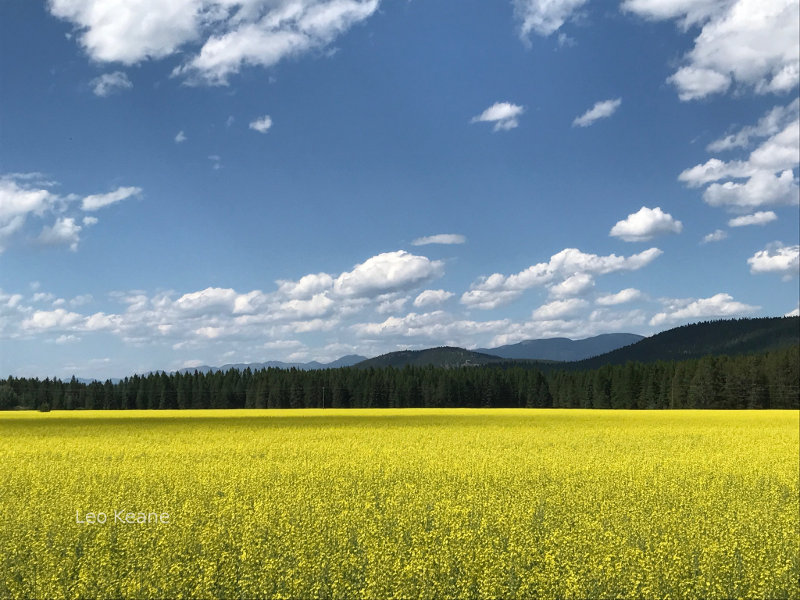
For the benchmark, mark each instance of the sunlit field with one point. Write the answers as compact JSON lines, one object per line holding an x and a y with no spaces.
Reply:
{"x":400,"y":503}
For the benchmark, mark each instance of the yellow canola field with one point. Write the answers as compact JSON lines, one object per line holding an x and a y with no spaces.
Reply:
{"x":400,"y":503}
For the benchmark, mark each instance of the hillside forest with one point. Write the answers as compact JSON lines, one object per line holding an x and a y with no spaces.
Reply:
{"x":760,"y":380}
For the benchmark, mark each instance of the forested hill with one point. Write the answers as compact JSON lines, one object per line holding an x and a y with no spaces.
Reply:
{"x":564,"y":349}
{"x":444,"y":356}
{"x":725,"y":337}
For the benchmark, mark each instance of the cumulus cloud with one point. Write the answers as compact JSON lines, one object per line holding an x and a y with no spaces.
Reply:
{"x":762,"y":189}
{"x":774,"y":121}
{"x":428,"y":297}
{"x":504,"y":115}
{"x":544,"y":17}
{"x":750,"y":44}
{"x":715,"y":236}
{"x":497,"y":289}
{"x":621,"y":297}
{"x":110,"y":83}
{"x":64,"y":231}
{"x":21,"y":197}
{"x":558,"y":309}
{"x":759,"y":218}
{"x":219,"y":37}
{"x":51,"y":319}
{"x":262,"y":124}
{"x":601,"y":110}
{"x":766,"y":177}
{"x":387,"y":272}
{"x":180,"y":137}
{"x":97,"y":201}
{"x":776,"y":258}
{"x":437,"y":325}
{"x":575,"y":285}
{"x":719,"y":305}
{"x":391,"y":306}
{"x":306,"y":286}
{"x":440,"y":238}
{"x":645,"y":225}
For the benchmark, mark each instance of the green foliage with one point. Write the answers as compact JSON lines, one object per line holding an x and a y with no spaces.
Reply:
{"x":768,"y":380}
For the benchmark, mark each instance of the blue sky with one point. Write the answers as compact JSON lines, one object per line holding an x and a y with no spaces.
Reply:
{"x":205,"y":182}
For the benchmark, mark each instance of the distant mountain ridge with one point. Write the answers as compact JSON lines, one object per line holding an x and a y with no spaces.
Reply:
{"x":724,"y":336}
{"x":564,"y":349}
{"x":444,"y":356}
{"x":344,"y":361}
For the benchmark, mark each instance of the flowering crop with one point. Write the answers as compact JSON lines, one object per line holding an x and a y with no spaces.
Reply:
{"x":400,"y":503}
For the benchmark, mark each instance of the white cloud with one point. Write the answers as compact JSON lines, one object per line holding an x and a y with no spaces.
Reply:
{"x":440,"y":238}
{"x":126,"y":32}
{"x":776,"y":258}
{"x":489,"y":299}
{"x":19,"y":198}
{"x":713,"y":170}
{"x":67,"y":339}
{"x":497,"y":289}
{"x":766,"y":177}
{"x":437,"y":325}
{"x":110,"y":83}
{"x":544,"y":17}
{"x":694,"y":82}
{"x":262,"y":124}
{"x":645,"y":225}
{"x":715,"y":236}
{"x":391,"y":306}
{"x":576,"y":285}
{"x":428,"y":297}
{"x":180,"y":137}
{"x":51,"y":319}
{"x":89,"y":221}
{"x":504,"y":115}
{"x":230,"y":34}
{"x":621,"y":297}
{"x":762,"y":189}
{"x":558,"y":309}
{"x":759,"y":218}
{"x":752,"y":43}
{"x":771,"y":123}
{"x":81,"y":300}
{"x":793,"y":313}
{"x":97,"y":201}
{"x":207,"y":300}
{"x":719,"y":305}
{"x":387,"y":272}
{"x":319,"y":305}
{"x":272,"y":32}
{"x":601,"y":110}
{"x":63,"y":231}
{"x":306,"y":286}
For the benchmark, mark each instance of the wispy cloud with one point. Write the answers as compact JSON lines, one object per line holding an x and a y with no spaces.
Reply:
{"x":440,"y":238}
{"x":262,"y":124}
{"x":110,"y":83}
{"x":504,"y":115}
{"x":601,"y":110}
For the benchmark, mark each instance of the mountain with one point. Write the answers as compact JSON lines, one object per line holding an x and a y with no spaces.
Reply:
{"x":444,"y":356}
{"x":730,"y":336}
{"x":564,"y":349}
{"x":344,"y":361}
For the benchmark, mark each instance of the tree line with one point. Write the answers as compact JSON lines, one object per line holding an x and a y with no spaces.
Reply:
{"x":766,"y":380}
